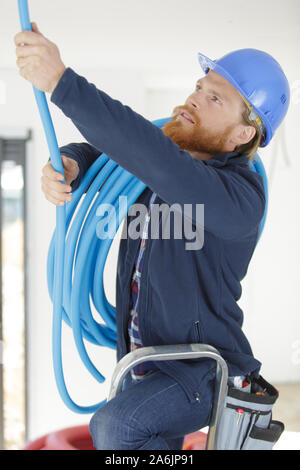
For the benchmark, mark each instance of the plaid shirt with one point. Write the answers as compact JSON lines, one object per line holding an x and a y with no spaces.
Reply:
{"x":140,"y":371}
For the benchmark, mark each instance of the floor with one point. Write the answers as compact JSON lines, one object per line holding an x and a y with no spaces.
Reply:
{"x":287,"y":408}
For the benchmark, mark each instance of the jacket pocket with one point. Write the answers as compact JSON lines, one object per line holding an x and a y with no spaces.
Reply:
{"x":198,"y":337}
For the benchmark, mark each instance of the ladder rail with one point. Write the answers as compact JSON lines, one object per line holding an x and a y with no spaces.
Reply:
{"x":176,"y":352}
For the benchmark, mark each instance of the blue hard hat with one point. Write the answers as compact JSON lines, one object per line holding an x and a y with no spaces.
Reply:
{"x":260,"y":80}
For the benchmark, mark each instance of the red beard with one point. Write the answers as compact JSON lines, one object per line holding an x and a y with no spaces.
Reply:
{"x":195,"y":137}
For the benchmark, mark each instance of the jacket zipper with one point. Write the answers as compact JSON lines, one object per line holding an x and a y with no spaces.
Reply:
{"x":144,"y":287}
{"x":197,"y":327}
{"x":125,"y":307}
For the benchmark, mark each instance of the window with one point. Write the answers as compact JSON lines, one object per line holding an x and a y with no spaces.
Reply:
{"x":12,"y":294}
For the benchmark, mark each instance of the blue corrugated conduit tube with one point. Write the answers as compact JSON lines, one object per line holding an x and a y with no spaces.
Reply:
{"x":76,"y":250}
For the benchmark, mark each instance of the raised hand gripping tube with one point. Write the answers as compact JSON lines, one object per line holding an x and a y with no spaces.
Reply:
{"x":84,"y":252}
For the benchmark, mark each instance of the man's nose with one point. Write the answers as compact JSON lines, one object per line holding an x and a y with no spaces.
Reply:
{"x":193,"y":101}
{"x":193,"y":105}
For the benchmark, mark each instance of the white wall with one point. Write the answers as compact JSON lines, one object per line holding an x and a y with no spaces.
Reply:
{"x":145,"y":54}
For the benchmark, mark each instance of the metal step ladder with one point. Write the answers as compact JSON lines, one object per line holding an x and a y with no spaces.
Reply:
{"x":176,"y":352}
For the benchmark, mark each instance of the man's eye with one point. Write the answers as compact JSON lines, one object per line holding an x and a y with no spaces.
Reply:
{"x":214,"y":98}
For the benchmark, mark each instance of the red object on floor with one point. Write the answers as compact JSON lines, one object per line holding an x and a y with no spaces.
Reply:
{"x":195,"y":441}
{"x":74,"y":438}
{"x":79,"y":438}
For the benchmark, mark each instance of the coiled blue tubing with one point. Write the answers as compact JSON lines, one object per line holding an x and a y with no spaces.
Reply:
{"x":80,"y":246}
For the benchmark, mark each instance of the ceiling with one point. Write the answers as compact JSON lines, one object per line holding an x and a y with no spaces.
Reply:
{"x":155,"y":34}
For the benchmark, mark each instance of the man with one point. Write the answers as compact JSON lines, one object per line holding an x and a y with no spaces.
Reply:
{"x":167,"y":294}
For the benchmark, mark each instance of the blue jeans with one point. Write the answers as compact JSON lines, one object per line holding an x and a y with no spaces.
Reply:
{"x":151,"y":414}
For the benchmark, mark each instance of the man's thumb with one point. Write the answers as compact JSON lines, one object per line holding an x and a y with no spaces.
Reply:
{"x":35,"y":28}
{"x":67,"y":162}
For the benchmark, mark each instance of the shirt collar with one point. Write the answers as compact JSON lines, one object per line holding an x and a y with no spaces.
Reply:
{"x":227,"y":158}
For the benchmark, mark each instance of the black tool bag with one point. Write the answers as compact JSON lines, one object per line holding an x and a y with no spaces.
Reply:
{"x":246,"y":422}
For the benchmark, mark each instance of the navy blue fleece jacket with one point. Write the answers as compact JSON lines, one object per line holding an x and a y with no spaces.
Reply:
{"x":186,"y":296}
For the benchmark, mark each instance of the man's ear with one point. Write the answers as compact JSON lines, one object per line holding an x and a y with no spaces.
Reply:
{"x":243,"y":134}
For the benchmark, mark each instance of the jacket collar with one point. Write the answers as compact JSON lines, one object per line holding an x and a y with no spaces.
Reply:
{"x":228,"y":158}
